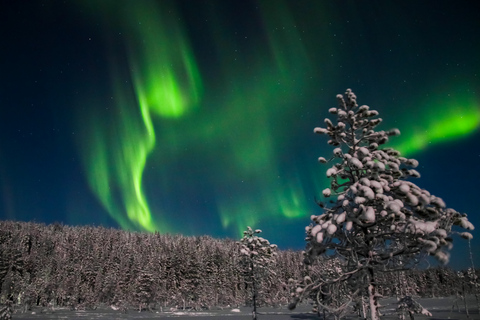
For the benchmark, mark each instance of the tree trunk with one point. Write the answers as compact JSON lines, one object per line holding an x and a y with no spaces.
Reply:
{"x":474,"y":280}
{"x":254,"y":289}
{"x":372,"y":297}
{"x":364,"y":309}
{"x":254,"y":314}
{"x":464,"y":296}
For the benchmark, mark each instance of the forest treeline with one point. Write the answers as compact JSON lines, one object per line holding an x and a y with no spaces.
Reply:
{"x":82,"y":267}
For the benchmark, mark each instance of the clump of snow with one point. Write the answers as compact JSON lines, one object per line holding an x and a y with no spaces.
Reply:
{"x":320,"y":130}
{"x":319,"y":237}
{"x":414,"y":173}
{"x":424,"y":199}
{"x":341,"y":217}
{"x":360,"y":200}
{"x":327,"y":192}
{"x":332,"y":171}
{"x":425,"y":227}
{"x":380,"y":166}
{"x":316,"y":230}
{"x":464,"y":223}
{"x":404,"y":188}
{"x":442,"y":233}
{"x":355,"y":163}
{"x":367,"y":192}
{"x":411,"y":199}
{"x":442,"y":257}
{"x":369,"y":214}
{"x":413,"y":163}
{"x":438,"y":202}
{"x":349,"y":225}
{"x":331,"y":229}
{"x":393,"y":206}
{"x":466,"y":235}
{"x":363,"y":152}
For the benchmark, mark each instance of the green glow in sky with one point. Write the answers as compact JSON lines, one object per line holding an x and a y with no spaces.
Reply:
{"x":446,"y":117}
{"x":166,"y":83}
{"x":237,"y":132}
{"x":259,"y":144}
{"x":178,"y":135}
{"x":115,"y":157}
{"x":166,"y":78}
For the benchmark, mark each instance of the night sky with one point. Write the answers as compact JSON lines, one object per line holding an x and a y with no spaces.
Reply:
{"x":197,"y":117}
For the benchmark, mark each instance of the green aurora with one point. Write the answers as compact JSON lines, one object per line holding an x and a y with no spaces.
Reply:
{"x":166,"y":83}
{"x":172,"y":113}
{"x":444,"y":119}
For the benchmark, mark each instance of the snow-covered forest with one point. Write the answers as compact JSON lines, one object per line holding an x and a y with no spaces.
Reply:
{"x":83,"y":267}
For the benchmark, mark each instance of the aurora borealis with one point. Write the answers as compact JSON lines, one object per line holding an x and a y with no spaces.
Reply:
{"x":197,"y":117}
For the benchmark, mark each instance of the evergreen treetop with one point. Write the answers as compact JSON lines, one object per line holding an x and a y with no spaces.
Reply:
{"x":377,"y":212}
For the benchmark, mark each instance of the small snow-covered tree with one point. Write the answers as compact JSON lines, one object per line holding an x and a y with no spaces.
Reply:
{"x":377,"y":221}
{"x":258,"y":256}
{"x":144,"y":289}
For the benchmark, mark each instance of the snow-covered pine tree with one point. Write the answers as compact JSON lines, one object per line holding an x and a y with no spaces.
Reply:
{"x":377,"y":219}
{"x":258,"y":255}
{"x":144,"y":293}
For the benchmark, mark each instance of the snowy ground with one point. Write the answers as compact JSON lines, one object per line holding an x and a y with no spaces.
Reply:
{"x":439,"y":307}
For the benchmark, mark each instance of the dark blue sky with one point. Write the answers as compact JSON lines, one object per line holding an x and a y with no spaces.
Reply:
{"x":86,"y":137}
